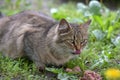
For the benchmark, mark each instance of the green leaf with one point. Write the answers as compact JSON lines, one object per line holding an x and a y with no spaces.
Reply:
{"x":98,"y":34}
{"x":116,"y":41}
{"x":95,"y":7}
{"x":99,"y":20}
{"x":65,"y":76}
{"x":54,"y":70}
{"x":110,"y":30}
{"x":18,"y":3}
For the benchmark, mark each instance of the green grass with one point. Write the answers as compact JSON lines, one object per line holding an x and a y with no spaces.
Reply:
{"x":102,"y":51}
{"x":21,"y":69}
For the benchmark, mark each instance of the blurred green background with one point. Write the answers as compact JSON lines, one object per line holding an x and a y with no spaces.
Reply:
{"x":101,"y":53}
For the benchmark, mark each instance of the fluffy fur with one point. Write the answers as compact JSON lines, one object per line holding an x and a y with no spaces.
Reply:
{"x":41,"y":38}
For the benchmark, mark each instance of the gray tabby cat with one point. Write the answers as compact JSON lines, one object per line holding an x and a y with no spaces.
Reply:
{"x":41,"y":38}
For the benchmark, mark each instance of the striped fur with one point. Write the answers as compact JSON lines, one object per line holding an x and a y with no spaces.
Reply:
{"x":41,"y":38}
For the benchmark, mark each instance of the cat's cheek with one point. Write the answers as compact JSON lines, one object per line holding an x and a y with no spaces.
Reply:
{"x":55,"y":38}
{"x":71,"y":47}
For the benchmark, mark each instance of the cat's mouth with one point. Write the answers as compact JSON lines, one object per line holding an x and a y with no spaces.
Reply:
{"x":76,"y":52}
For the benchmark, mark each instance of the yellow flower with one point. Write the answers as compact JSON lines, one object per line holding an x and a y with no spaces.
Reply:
{"x":112,"y":74}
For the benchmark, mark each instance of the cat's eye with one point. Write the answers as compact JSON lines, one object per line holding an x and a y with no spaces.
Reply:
{"x":83,"y":41}
{"x":71,"y":41}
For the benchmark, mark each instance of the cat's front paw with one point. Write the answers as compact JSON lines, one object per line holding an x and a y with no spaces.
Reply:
{"x":41,"y":69}
{"x":40,"y":66}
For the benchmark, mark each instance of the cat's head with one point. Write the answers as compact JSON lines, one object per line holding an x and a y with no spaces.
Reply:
{"x":72,"y":37}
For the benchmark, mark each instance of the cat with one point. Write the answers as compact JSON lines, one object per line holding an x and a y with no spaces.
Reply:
{"x":41,"y":38}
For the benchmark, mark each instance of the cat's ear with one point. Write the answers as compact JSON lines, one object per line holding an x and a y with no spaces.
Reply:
{"x":85,"y":24}
{"x":84,"y":29}
{"x":64,"y":26}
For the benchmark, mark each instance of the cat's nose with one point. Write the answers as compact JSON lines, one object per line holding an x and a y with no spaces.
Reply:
{"x":78,"y":47}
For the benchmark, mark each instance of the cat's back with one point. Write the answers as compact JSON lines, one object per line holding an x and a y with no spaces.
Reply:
{"x":16,"y":21}
{"x":14,"y":28}
{"x":32,"y":17}
{"x":26,"y":17}
{"x":12,"y":25}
